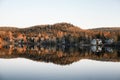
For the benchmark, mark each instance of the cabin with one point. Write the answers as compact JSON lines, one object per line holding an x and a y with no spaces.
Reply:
{"x":109,"y":41}
{"x":96,"y":42}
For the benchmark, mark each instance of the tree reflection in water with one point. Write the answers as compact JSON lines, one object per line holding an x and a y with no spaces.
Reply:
{"x":60,"y":54}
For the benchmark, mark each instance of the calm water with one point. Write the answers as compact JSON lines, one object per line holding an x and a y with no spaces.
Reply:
{"x":83,"y":63}
{"x":24,"y":69}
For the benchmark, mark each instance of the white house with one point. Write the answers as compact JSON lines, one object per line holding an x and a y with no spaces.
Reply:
{"x":109,"y":41}
{"x":96,"y":42}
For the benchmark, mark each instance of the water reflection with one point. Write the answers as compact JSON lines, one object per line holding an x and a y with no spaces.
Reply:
{"x":60,"y":54}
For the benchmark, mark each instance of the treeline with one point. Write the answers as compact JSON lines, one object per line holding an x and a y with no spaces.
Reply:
{"x":62,"y":33}
{"x":106,"y":33}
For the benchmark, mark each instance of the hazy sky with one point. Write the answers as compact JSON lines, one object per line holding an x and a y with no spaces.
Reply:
{"x":82,"y":13}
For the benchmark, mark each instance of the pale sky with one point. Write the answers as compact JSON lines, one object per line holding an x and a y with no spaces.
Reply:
{"x":83,"y":13}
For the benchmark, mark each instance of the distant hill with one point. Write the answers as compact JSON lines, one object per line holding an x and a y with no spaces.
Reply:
{"x":106,"y":29}
{"x":59,"y":30}
{"x":59,"y":26}
{"x":8,"y":28}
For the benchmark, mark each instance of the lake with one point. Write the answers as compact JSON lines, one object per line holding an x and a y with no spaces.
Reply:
{"x":24,"y":69}
{"x":60,"y":63}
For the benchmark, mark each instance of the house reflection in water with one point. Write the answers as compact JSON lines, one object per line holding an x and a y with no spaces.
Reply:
{"x":96,"y":48}
{"x":60,"y":54}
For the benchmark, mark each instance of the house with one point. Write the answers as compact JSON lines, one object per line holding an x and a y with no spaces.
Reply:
{"x":96,"y":42}
{"x":109,"y":41}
